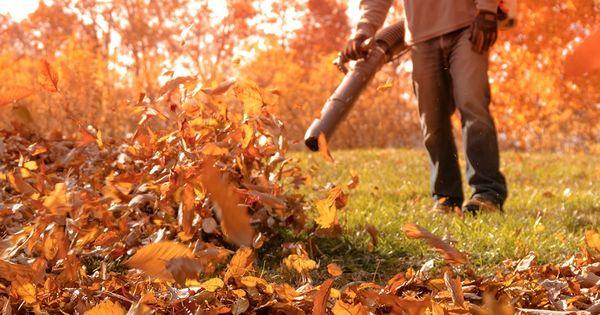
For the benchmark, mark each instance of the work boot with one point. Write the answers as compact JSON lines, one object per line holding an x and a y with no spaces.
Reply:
{"x":479,"y":204}
{"x":446,"y":205}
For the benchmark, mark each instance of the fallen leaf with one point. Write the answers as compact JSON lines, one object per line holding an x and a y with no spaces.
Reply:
{"x":592,"y":239}
{"x":334,"y":270}
{"x":152,"y":258}
{"x":25,"y":289}
{"x":106,"y":307}
{"x":183,"y":268}
{"x":240,"y":263}
{"x":449,"y":253}
{"x":454,"y":286}
{"x":211,"y":285}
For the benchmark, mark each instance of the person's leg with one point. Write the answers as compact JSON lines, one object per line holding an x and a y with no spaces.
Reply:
{"x":432,"y":88}
{"x":471,"y":89}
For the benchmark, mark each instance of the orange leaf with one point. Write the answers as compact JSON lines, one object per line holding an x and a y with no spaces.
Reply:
{"x":25,"y":289}
{"x":14,"y":94}
{"x":319,"y":304}
{"x":239,"y":264}
{"x":334,"y":270}
{"x":47,"y":76}
{"x":450,"y":254}
{"x":454,"y":286}
{"x":106,"y":307}
{"x":235,"y":222}
{"x":592,"y":238}
{"x":152,"y":258}
{"x":324,"y":148}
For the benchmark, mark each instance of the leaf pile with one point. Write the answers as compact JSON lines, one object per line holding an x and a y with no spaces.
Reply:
{"x":169,"y":220}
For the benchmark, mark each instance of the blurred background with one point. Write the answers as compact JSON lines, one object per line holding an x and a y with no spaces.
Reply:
{"x":108,"y":52}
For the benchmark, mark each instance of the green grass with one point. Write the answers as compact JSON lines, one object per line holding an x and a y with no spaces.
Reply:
{"x":553,"y":199}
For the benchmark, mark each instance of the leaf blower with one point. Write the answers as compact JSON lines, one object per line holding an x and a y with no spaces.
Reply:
{"x":387,"y":44}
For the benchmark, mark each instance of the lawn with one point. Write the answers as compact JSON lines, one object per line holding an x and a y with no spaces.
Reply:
{"x":553,"y":199}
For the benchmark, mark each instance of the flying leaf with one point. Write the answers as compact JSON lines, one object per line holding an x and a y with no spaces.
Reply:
{"x":334,"y":270}
{"x":174,"y":83}
{"x":592,"y":238}
{"x":248,"y":93}
{"x":106,"y":307}
{"x":324,"y":148}
{"x":14,"y":94}
{"x":47,"y":76}
{"x":385,"y":86}
{"x":152,"y":258}
{"x":449,"y":253}
{"x":319,"y":304}
{"x":326,"y":212}
{"x":235,"y":222}
{"x":11,"y":271}
{"x":183,"y":268}
{"x":300,"y":264}
{"x":19,"y":184}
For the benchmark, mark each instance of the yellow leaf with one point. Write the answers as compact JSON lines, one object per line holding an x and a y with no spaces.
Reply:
{"x":299,"y":264}
{"x":211,"y":285}
{"x":326,"y":213}
{"x":25,"y":289}
{"x":152,"y":258}
{"x":385,"y":86}
{"x":240,"y":263}
{"x":249,"y":94}
{"x":106,"y":307}
{"x":30,"y":165}
{"x":592,"y":238}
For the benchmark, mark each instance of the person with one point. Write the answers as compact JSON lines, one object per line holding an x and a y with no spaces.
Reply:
{"x":449,"y":40}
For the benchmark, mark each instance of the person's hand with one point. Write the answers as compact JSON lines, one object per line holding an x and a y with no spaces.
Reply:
{"x":354,"y":48}
{"x":484,"y":31}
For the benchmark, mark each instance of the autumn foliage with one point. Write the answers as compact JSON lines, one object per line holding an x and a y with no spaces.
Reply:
{"x":123,"y":193}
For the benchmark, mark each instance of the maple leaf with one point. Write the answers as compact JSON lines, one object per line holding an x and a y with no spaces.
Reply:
{"x":47,"y":76}
{"x":449,"y":253}
{"x":248,"y":93}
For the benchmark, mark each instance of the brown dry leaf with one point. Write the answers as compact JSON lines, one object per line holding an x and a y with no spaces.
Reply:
{"x":11,"y":271}
{"x":183,"y":268}
{"x":235,"y":222}
{"x":20,"y":185}
{"x":47,"y":76}
{"x":353,"y":183}
{"x":449,"y":253}
{"x":152,"y":258}
{"x":25,"y":289}
{"x":240,"y":263}
{"x":319,"y":304}
{"x":106,"y":307}
{"x":373,"y":232}
{"x":187,"y":205}
{"x":454,"y":286}
{"x":324,"y":148}
{"x":592,"y":239}
{"x":14,"y":94}
{"x":334,"y":270}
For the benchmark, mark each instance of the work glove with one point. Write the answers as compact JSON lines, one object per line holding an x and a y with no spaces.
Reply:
{"x":354,"y":48}
{"x":484,"y":31}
